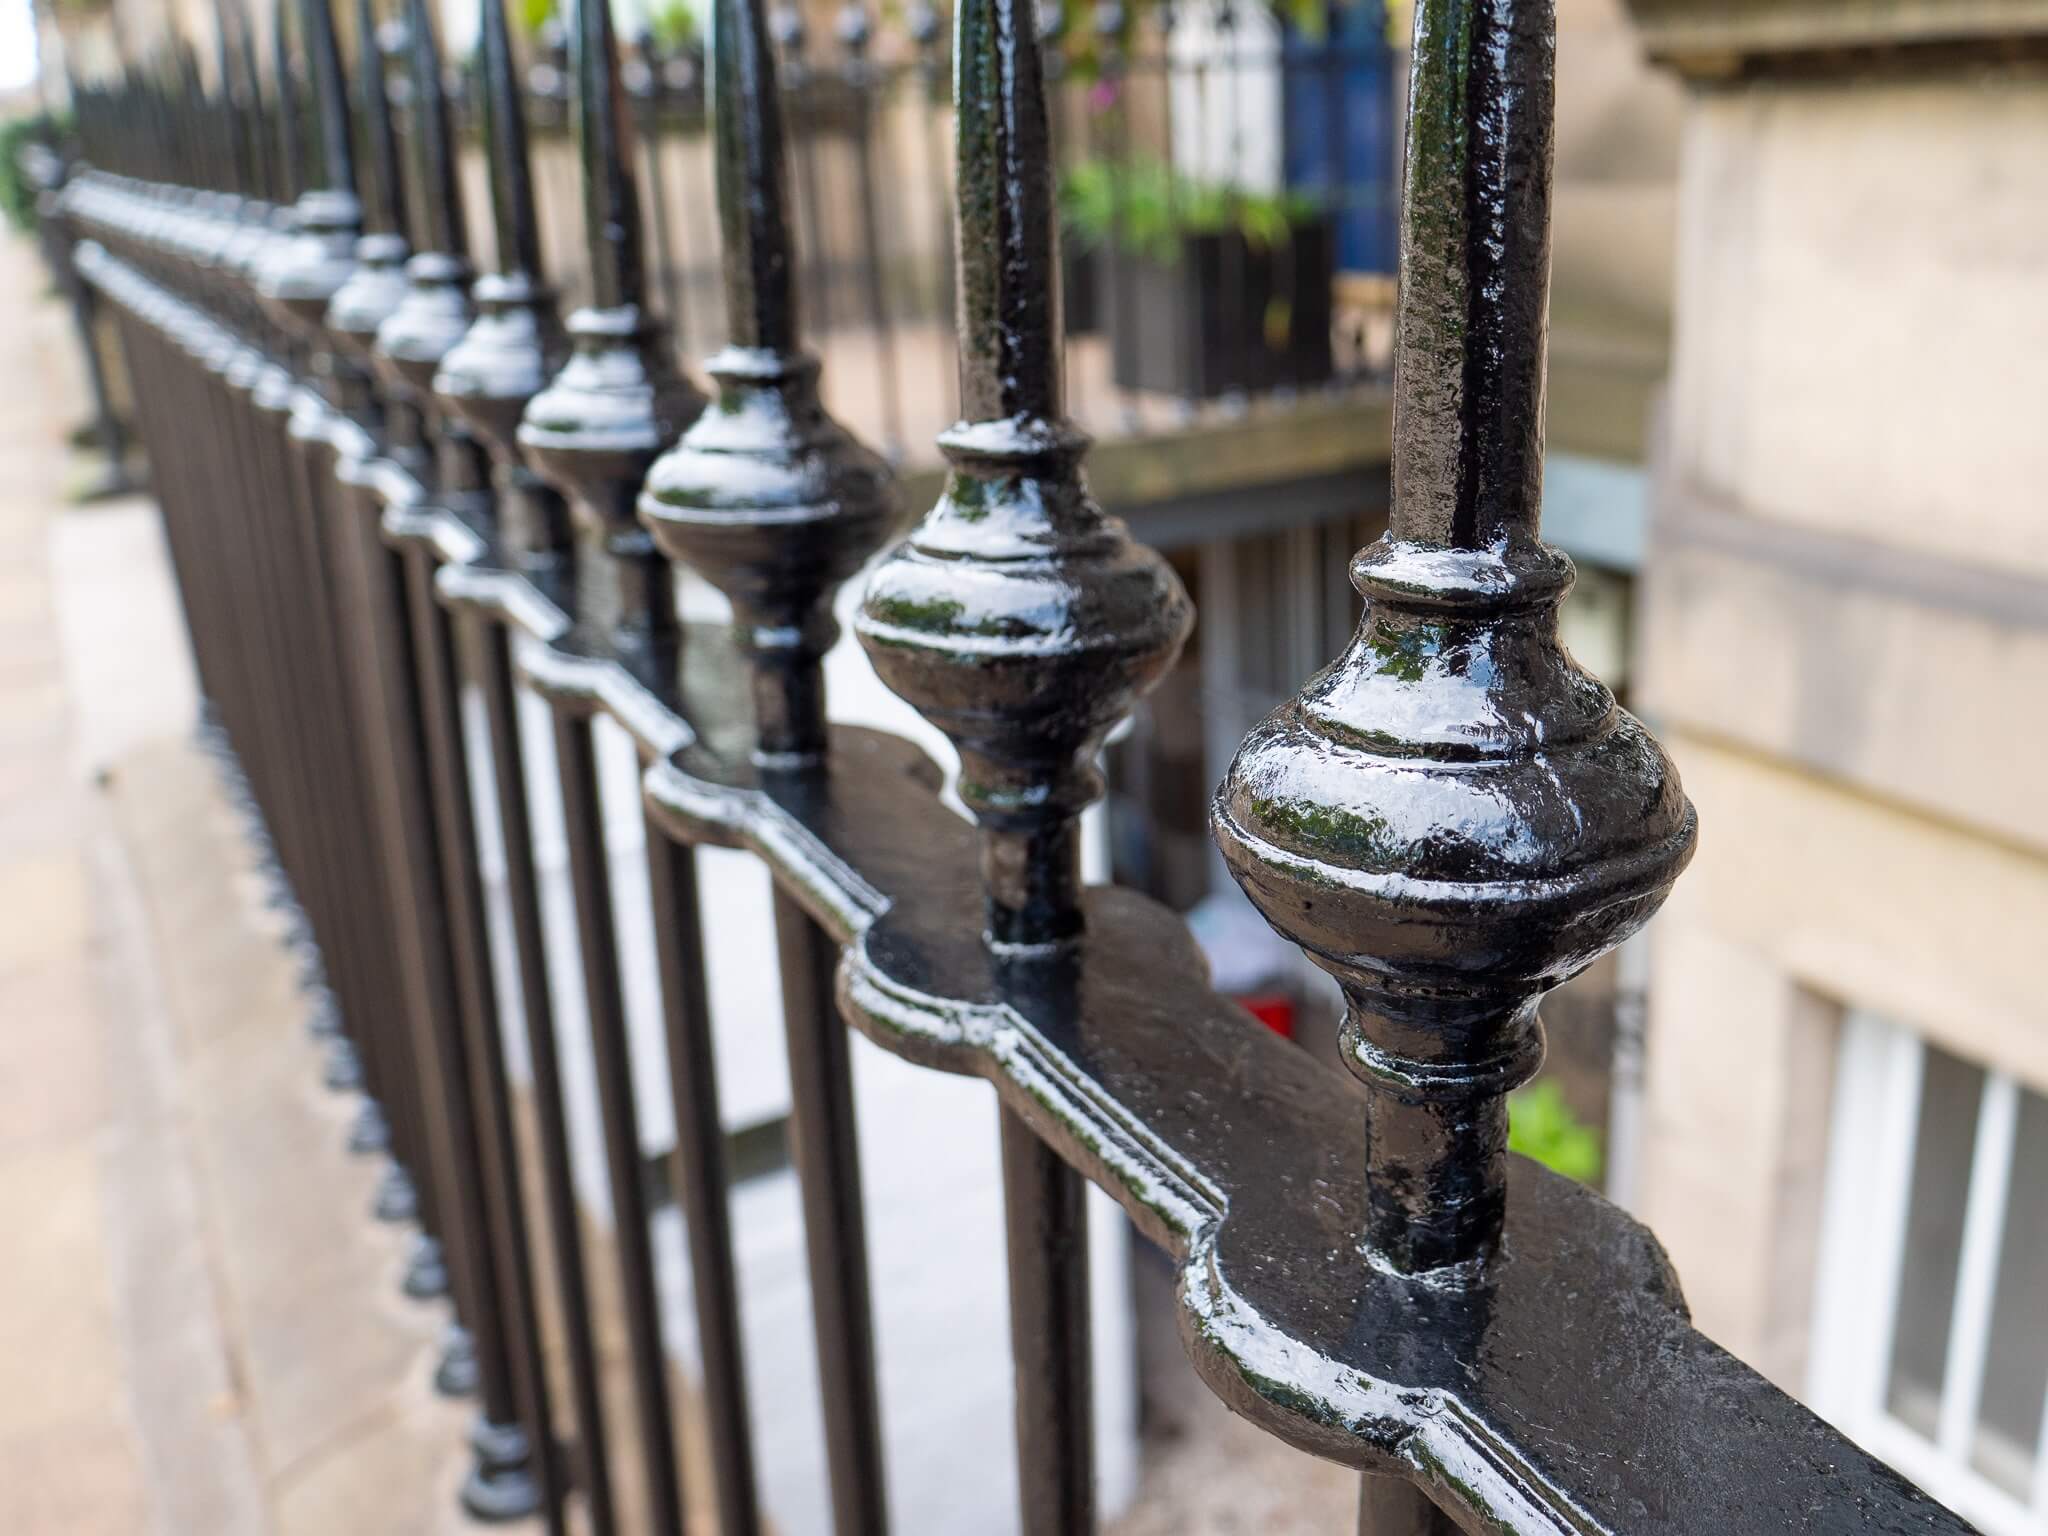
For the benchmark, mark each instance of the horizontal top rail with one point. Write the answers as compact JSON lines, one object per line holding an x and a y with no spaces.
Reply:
{"x":1565,"y":1393}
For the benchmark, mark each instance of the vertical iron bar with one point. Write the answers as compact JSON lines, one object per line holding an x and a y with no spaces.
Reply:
{"x":448,"y":1101}
{"x":597,"y":935}
{"x":1393,"y":1506}
{"x":1028,"y":711}
{"x":727,"y":510}
{"x":827,"y":1156}
{"x":1046,"y":1211}
{"x":591,"y":434}
{"x":558,"y":1180}
{"x":526,"y":1473}
{"x":699,"y":1166}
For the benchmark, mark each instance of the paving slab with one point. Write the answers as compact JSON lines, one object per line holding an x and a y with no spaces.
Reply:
{"x":203,"y":1331}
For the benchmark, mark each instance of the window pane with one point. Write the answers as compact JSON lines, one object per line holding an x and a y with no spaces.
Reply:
{"x":1950,"y":1092}
{"x":2016,"y":1366}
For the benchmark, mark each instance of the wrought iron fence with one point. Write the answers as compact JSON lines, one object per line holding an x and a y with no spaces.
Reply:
{"x":1218,"y":164}
{"x":387,"y":479}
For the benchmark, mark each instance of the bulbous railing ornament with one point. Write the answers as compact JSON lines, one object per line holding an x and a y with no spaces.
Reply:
{"x":246,"y":247}
{"x":1018,"y":617}
{"x":619,"y":400}
{"x":377,"y":285}
{"x":1453,"y":818}
{"x":301,"y":275}
{"x":434,"y":314}
{"x":515,"y":343}
{"x":766,"y":496}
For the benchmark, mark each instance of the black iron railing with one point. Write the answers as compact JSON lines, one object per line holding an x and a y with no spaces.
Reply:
{"x":386,"y":479}
{"x":1192,"y":294}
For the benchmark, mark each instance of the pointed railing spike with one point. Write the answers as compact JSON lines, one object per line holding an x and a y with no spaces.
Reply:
{"x":441,"y":226}
{"x":503,"y":115}
{"x":382,"y":180}
{"x":330,"y":95}
{"x":604,"y":137}
{"x":244,"y":179}
{"x":285,"y":92}
{"x":1454,"y":817}
{"x":262,"y":150}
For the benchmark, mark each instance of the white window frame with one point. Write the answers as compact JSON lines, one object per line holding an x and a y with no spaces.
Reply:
{"x":1872,"y":1135}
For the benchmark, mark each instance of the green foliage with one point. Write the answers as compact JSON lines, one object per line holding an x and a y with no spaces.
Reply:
{"x":1148,"y":208}
{"x":17,"y":196}
{"x":1542,"y":1126}
{"x":674,"y":24}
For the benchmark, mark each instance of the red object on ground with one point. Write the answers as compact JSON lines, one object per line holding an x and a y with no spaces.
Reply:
{"x":1275,"y":1010}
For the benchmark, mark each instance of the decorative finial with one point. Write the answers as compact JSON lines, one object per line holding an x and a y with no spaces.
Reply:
{"x":766,"y":496}
{"x":302,"y":277}
{"x":515,"y":342}
{"x":434,"y":314}
{"x":1018,"y":617}
{"x":377,"y":286}
{"x":1454,"y":818}
{"x":618,"y":401}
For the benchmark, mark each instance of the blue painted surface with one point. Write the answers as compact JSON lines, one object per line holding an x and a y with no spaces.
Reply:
{"x":1338,"y":120}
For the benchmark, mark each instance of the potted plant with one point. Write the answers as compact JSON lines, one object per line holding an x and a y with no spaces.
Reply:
{"x":1204,"y":288}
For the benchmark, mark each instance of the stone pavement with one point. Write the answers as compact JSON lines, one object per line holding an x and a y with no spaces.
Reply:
{"x":202,"y":1328}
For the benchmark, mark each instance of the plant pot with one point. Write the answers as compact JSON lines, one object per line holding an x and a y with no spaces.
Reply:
{"x":1228,"y":315}
{"x":1080,"y":284}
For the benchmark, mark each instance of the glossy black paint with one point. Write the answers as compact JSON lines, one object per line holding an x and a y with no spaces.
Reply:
{"x":487,"y":379}
{"x":515,"y":343}
{"x":604,"y":998}
{"x":766,"y":496}
{"x":775,"y":504}
{"x":1451,"y":818}
{"x":701,"y":1177}
{"x":618,"y":401}
{"x":592,"y":1469}
{"x":1454,"y":817}
{"x":1017,"y":617}
{"x":1024,"y":623}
